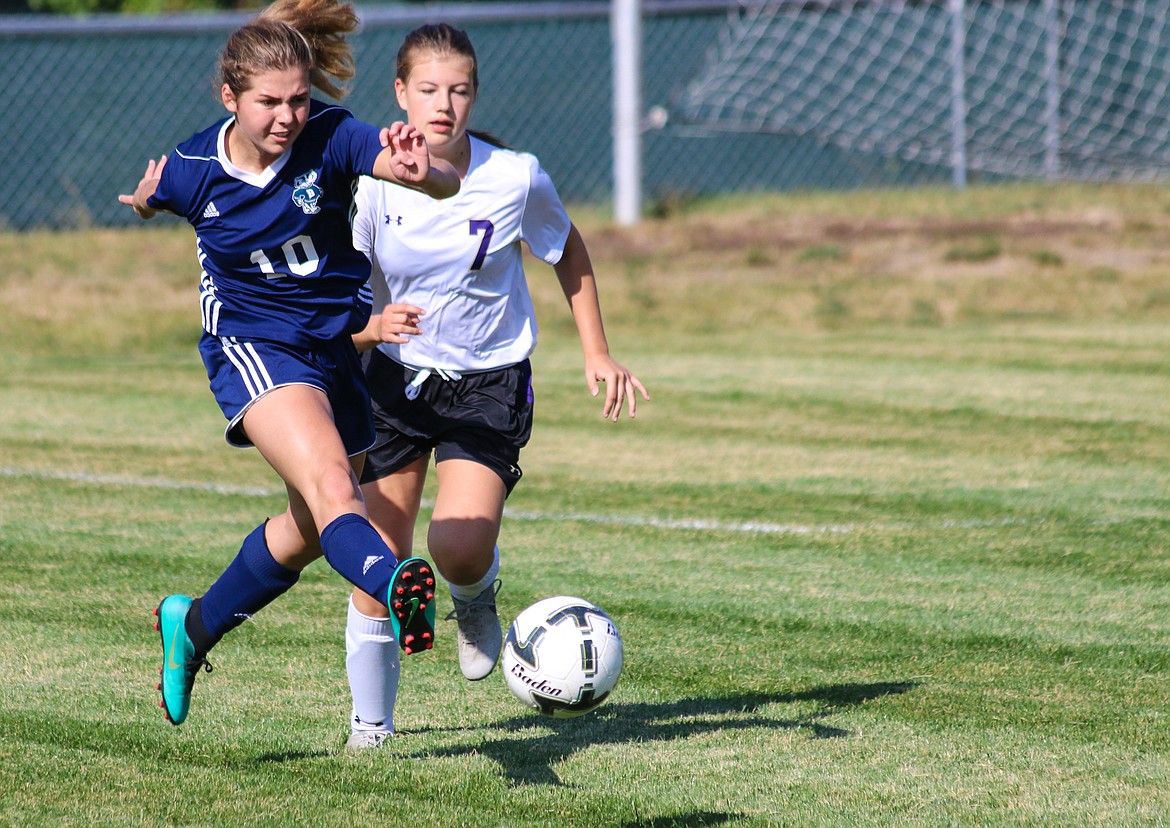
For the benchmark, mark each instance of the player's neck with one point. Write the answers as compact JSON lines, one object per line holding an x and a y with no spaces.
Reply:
{"x":245,"y":155}
{"x":457,"y":154}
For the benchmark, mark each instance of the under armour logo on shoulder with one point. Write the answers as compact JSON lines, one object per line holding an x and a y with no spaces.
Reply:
{"x":394,"y":219}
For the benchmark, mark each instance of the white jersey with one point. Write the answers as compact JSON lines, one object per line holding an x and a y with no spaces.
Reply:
{"x":459,"y":259}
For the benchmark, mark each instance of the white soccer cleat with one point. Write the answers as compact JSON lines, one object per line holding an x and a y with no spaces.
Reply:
{"x":362,"y":739}
{"x":479,"y":634}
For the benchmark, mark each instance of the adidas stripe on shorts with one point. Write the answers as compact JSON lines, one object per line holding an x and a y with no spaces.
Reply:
{"x":242,"y":371}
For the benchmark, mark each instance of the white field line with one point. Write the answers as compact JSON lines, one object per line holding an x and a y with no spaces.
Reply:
{"x":140,"y":482}
{"x":694,"y":524}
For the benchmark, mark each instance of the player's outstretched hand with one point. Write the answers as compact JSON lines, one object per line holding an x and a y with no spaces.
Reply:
{"x":406,"y":160}
{"x":409,"y":160}
{"x":145,"y":189}
{"x":398,"y":322}
{"x":620,"y":385}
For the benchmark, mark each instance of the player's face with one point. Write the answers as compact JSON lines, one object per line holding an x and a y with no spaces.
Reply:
{"x":438,"y":97}
{"x":269,"y":117}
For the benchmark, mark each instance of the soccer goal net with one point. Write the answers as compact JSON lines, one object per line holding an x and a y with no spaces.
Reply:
{"x":1073,"y":89}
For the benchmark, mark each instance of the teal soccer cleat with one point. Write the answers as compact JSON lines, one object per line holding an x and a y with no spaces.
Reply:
{"x":411,"y":600}
{"x":180,"y":664}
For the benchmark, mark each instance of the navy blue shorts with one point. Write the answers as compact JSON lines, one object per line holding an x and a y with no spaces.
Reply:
{"x":485,"y":417}
{"x":242,"y":372}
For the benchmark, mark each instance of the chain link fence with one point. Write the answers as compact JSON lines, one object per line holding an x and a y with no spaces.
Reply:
{"x":87,"y":101}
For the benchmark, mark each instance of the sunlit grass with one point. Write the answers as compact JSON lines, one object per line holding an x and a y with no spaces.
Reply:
{"x":887,"y":547}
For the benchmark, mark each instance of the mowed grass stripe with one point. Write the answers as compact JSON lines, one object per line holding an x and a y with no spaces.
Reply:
{"x":699,"y":524}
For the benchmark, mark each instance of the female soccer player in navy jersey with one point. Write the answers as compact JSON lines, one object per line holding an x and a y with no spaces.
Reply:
{"x":269,"y":191}
{"x":457,"y":381}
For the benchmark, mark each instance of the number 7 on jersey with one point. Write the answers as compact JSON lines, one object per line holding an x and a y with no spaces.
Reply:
{"x":476,"y":225}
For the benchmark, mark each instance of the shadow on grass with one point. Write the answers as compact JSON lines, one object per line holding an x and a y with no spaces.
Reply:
{"x":694,"y":820}
{"x":529,"y":758}
{"x":291,"y":756}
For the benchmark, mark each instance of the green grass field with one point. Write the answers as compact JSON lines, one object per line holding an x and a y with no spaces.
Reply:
{"x":887,"y":547}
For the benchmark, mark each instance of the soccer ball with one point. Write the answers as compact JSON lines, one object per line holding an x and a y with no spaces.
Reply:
{"x":562,"y":656}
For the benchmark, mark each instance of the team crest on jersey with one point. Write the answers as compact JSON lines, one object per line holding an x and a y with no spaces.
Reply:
{"x":306,"y":192}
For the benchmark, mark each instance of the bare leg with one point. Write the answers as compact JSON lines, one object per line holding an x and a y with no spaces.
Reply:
{"x":462,"y":539}
{"x":466,"y":522}
{"x":292,"y":427}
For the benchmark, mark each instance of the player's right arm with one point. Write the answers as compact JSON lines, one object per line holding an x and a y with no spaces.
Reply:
{"x":145,"y":189}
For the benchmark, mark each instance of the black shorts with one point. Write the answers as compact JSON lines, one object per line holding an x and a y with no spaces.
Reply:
{"x":485,"y":417}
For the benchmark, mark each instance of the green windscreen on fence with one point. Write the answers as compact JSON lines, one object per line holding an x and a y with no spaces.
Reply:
{"x":767,"y":95}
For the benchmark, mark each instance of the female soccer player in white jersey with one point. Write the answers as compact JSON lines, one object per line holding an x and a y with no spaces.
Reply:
{"x":269,"y":191}
{"x":455,"y":382}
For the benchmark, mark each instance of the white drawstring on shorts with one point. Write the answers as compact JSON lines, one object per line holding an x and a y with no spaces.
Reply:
{"x":416,"y":384}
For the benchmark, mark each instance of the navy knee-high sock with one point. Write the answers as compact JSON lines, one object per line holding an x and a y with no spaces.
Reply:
{"x":252,"y":581}
{"x":357,"y":552}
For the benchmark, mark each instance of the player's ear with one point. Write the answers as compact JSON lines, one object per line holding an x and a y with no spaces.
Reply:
{"x":228,"y":97}
{"x":400,"y":92}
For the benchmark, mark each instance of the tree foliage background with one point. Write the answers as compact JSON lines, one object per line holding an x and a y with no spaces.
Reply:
{"x":73,"y":7}
{"x":78,"y":7}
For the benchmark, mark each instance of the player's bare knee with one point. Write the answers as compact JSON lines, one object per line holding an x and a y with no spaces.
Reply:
{"x":461,"y":563}
{"x":335,"y":492}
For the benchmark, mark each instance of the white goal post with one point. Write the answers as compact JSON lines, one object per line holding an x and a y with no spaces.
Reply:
{"x":626,"y":33}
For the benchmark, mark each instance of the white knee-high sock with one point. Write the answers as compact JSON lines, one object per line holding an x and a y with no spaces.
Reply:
{"x":372,"y":664}
{"x":465,"y":592}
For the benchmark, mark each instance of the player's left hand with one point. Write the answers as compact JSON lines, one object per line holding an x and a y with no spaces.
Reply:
{"x":620,"y":385}
{"x":409,"y":160}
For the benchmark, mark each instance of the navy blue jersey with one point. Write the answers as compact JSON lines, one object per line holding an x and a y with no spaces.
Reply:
{"x":276,"y":248}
